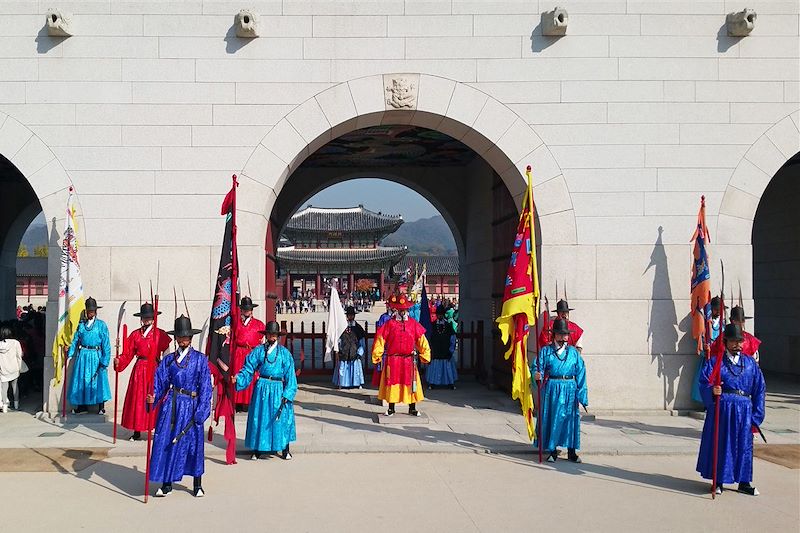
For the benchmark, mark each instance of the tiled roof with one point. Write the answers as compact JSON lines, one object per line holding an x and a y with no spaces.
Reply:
{"x":342,"y":255}
{"x":349,"y":219}
{"x":437,"y":265}
{"x":32,"y":266}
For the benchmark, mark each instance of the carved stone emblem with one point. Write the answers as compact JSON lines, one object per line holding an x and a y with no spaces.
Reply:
{"x":401,"y":91}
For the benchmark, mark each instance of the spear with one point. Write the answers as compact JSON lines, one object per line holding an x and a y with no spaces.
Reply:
{"x":120,"y":314}
{"x":151,"y":415}
{"x":717,"y":376}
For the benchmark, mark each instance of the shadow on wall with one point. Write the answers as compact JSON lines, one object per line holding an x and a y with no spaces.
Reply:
{"x":724,"y":41}
{"x":668,"y":338}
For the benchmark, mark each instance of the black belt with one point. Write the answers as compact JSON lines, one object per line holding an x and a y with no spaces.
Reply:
{"x":561,"y":377}
{"x":270,"y":378}
{"x":737,"y":392}
{"x":141,"y":357}
{"x":91,"y":347}
{"x":191,"y":393}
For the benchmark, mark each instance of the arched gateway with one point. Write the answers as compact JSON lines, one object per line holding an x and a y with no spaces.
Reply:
{"x":469,"y":156}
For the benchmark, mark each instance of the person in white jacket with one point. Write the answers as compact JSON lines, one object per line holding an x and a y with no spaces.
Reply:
{"x":10,"y":367}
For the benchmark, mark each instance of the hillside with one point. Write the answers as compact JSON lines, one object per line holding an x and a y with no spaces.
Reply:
{"x":426,"y":236}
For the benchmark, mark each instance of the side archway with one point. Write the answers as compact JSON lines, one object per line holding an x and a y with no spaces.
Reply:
{"x":33,"y":181}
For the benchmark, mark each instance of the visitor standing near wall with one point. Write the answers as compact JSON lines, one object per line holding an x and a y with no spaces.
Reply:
{"x":11,"y":366}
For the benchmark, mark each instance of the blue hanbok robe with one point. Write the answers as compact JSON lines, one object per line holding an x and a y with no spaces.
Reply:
{"x":91,"y":349}
{"x":179,"y":411}
{"x":276,"y":381}
{"x":737,"y":415}
{"x":350,"y":373}
{"x":716,"y":327}
{"x":442,"y":368}
{"x":560,"y":422}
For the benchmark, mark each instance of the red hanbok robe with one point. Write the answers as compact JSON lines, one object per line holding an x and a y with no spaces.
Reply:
{"x":139,"y":346}
{"x":749,"y":347}
{"x":248,"y":336}
{"x":394,"y":343}
{"x":575,"y":334}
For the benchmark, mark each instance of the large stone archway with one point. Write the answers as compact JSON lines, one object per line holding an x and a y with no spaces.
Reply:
{"x":42,"y":185}
{"x":503,"y":141}
{"x":766,"y":283}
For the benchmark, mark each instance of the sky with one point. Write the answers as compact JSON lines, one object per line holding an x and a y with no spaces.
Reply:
{"x":375,"y":194}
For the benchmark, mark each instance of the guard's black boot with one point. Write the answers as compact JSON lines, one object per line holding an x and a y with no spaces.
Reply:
{"x":165,"y":489}
{"x":747,"y":488}
{"x":390,"y":411}
{"x":573,"y":456}
{"x":198,"y":487}
{"x":137,"y":435}
{"x":412,"y":409}
{"x":286,"y":455}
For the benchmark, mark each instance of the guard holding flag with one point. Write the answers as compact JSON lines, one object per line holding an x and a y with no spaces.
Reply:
{"x":575,"y":331}
{"x":270,"y":419}
{"x":248,"y":336}
{"x":561,"y":374}
{"x":182,"y":388}
{"x":750,"y":343}
{"x":91,"y":349}
{"x":741,"y":412}
{"x":146,"y":346}
{"x":399,"y":344}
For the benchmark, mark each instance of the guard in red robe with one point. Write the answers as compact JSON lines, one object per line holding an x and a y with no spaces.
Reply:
{"x":248,"y":336}
{"x":750,"y":343}
{"x":140,"y":346}
{"x":575,"y":331}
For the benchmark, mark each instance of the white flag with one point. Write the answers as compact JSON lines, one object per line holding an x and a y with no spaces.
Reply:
{"x":70,"y":291}
{"x":337,"y":323}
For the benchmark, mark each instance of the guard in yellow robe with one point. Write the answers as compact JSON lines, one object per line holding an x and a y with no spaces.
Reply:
{"x":400,"y":344}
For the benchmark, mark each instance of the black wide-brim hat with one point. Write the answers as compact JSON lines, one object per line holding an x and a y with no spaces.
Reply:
{"x":563,"y":307}
{"x":733,"y":332}
{"x":183,"y":328}
{"x":247,"y":304}
{"x":146,"y":311}
{"x":737,"y":313}
{"x":91,"y":304}
{"x":350,"y":310}
{"x":273,"y":328}
{"x":561,"y":326}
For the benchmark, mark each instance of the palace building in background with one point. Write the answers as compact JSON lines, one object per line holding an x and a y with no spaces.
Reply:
{"x":627,"y":110}
{"x":337,"y":242}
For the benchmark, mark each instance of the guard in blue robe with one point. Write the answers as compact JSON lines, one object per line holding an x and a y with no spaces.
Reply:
{"x":182,"y":390}
{"x":91,"y":349}
{"x":442,"y":338}
{"x":563,"y":391}
{"x":716,"y":326}
{"x":349,"y":370}
{"x":270,"y":419}
{"x":741,"y":410}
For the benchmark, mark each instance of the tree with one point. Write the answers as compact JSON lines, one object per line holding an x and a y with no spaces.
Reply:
{"x":40,"y":251}
{"x":22,"y":251}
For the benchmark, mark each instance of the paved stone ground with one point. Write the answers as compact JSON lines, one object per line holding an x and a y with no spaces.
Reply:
{"x":404,"y":492}
{"x":469,"y":419}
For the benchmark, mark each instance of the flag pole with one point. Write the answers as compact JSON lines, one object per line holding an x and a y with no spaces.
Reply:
{"x":534,"y":274}
{"x":64,"y":393}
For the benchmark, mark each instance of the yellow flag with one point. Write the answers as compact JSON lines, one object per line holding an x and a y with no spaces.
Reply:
{"x":520,"y":306}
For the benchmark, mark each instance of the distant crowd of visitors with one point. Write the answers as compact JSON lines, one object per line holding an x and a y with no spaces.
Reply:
{"x":22,"y":351}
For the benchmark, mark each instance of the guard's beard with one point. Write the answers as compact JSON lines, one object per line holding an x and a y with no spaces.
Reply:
{"x":271,"y":341}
